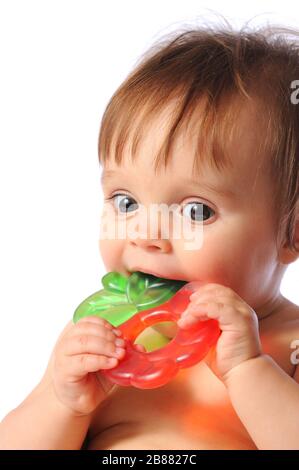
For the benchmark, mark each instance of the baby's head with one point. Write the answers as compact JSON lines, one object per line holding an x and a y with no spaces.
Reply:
{"x":206,"y":121}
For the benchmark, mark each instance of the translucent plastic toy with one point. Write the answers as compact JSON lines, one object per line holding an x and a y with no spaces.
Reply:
{"x":122,"y":297}
{"x":149,"y":301}
{"x":156,"y":368}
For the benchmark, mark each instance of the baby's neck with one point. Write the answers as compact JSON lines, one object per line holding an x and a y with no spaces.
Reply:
{"x":272,"y":306}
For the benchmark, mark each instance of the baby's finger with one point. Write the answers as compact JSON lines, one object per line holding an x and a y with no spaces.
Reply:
{"x":80,"y":365}
{"x":226,"y":314}
{"x":97,"y":320}
{"x":140,"y":347}
{"x":195,"y":306}
{"x":96,"y":330}
{"x":191,"y":319}
{"x":90,"y":344}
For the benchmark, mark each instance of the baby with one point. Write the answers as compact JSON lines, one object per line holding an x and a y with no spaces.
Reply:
{"x":207,"y":121}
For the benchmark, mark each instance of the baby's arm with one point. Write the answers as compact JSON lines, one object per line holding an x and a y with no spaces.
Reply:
{"x":42,"y":422}
{"x":58,"y":412}
{"x":266,"y":400}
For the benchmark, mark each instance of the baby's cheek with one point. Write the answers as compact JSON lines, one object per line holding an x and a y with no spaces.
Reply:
{"x":193,"y":264}
{"x":111,"y":254}
{"x":210,"y":263}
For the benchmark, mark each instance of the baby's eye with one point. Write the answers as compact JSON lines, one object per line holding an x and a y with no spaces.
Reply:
{"x":197,"y":211}
{"x":123,"y":203}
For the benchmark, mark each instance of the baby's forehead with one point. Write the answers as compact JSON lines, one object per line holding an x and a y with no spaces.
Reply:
{"x":238,"y":147}
{"x":139,"y":176}
{"x":241,"y":141}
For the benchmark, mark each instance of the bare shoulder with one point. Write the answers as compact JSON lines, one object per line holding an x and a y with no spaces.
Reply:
{"x":287,"y":316}
{"x":282,"y":325}
{"x":287,"y":323}
{"x":278,"y":334}
{"x":292,"y":323}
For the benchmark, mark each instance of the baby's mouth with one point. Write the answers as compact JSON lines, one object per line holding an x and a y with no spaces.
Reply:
{"x":157,"y":276}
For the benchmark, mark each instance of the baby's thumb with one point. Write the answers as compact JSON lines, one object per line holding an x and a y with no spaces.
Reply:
{"x":140,"y":347}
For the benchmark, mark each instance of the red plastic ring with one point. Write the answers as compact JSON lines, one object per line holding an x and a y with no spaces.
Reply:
{"x":156,"y":368}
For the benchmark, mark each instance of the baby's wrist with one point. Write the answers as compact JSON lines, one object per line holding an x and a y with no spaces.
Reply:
{"x":63,"y":408}
{"x":244,"y":369}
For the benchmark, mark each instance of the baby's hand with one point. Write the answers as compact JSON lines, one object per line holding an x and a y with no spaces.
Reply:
{"x":88,"y":346}
{"x":239,"y":340}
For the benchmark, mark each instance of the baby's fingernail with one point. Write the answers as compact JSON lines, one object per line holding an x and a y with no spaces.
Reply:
{"x":111,"y":361}
{"x":183,"y":319}
{"x":119,"y":352}
{"x":187,"y":311}
{"x":117,"y":332}
{"x":182,"y":322}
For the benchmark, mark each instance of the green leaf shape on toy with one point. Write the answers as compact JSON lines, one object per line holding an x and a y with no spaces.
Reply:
{"x":122,"y":297}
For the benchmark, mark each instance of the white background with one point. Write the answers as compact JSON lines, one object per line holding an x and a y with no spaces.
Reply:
{"x":60,"y":62}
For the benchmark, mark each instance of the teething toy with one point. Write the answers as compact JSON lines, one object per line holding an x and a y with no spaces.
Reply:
{"x":123,"y":297}
{"x":165,"y":302}
{"x":156,"y":368}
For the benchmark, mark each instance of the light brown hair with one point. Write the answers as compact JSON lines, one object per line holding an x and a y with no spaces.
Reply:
{"x":216,"y":66}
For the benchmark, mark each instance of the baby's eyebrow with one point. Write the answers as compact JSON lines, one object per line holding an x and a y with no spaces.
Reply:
{"x":107,"y":174}
{"x":219,"y":190}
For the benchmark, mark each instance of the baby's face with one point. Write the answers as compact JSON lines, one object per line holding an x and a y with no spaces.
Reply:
{"x":232,"y":208}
